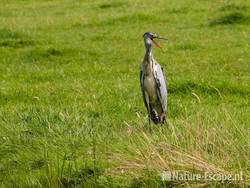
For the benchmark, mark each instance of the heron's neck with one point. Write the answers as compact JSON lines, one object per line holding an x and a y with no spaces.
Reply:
{"x":148,"y":61}
{"x":148,"y":55}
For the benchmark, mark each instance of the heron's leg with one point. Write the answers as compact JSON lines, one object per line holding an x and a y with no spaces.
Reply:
{"x":163,"y":119}
{"x":149,"y":119}
{"x":148,"y":108}
{"x":149,"y":123}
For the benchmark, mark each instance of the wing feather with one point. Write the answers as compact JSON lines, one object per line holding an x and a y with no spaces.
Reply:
{"x":161,"y":85}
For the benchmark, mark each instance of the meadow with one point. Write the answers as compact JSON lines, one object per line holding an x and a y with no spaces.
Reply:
{"x":71,"y":109}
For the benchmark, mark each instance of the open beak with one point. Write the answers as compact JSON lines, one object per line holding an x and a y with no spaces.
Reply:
{"x":156,"y":44}
{"x":160,"y":37}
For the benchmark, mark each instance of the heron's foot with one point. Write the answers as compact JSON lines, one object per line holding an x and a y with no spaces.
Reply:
{"x":163,"y":119}
{"x":165,"y":123}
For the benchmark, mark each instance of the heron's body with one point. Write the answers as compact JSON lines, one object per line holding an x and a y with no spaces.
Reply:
{"x":153,"y":87}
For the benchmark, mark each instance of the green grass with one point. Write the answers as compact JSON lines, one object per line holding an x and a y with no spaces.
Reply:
{"x":71,"y":110}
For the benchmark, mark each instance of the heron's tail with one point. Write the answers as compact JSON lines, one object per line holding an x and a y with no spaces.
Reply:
{"x":154,"y":117}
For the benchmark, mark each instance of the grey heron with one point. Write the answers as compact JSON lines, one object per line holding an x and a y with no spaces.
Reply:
{"x":153,"y":84}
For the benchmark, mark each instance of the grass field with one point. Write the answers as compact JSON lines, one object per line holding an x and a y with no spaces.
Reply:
{"x":71,"y":110}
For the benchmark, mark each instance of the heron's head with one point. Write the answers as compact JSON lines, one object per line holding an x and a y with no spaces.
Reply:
{"x":149,"y":39}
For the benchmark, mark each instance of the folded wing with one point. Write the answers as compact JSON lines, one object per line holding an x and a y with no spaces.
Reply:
{"x":161,"y":86}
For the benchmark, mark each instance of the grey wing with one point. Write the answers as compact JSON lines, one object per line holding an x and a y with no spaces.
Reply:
{"x":161,"y":85}
{"x":143,"y":92}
